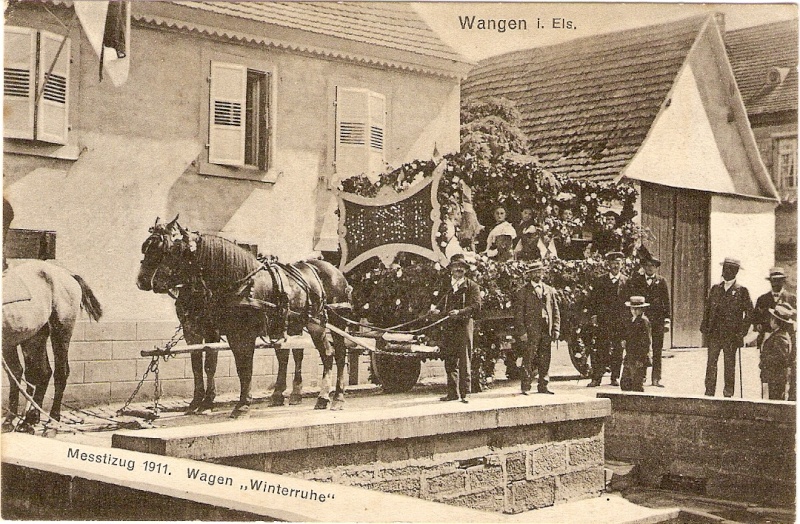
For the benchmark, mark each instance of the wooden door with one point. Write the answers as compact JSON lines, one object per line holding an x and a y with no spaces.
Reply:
{"x":678,"y":224}
{"x":690,"y":267}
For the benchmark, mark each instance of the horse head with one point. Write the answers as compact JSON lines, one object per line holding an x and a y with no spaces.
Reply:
{"x":162,"y":251}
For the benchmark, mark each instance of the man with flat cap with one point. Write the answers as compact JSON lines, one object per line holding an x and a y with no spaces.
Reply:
{"x":460,"y":301}
{"x":607,"y":309}
{"x":726,"y":320}
{"x":537,"y":320}
{"x":653,"y":288}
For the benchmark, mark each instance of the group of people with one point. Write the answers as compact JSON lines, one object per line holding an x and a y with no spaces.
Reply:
{"x":629,"y":317}
{"x":728,"y":315}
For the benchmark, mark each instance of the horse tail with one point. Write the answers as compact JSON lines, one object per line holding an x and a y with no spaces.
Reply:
{"x":89,"y":302}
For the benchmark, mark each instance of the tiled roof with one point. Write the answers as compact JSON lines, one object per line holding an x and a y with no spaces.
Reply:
{"x":753,"y":53}
{"x":588,"y":104}
{"x":389,"y":24}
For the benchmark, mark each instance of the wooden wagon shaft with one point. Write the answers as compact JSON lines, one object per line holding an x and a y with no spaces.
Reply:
{"x":199,"y":347}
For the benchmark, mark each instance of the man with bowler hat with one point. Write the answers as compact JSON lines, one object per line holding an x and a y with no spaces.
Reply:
{"x":538,"y":321}
{"x":653,"y":288}
{"x":778,"y":294}
{"x":460,"y":301}
{"x":607,"y":310}
{"x":726,"y":320}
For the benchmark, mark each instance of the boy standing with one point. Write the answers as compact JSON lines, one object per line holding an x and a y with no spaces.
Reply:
{"x":637,"y":346}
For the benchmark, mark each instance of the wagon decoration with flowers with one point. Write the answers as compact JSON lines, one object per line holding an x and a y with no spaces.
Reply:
{"x":396,"y":282}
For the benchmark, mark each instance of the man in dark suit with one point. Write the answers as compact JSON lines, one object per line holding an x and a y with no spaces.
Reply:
{"x":606,"y":306}
{"x":778,"y":294}
{"x":460,"y":301}
{"x":653,"y":288}
{"x":725,"y":323}
{"x":538,"y":321}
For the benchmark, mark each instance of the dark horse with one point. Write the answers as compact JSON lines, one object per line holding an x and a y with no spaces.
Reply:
{"x":245,"y":299}
{"x":47,"y":306}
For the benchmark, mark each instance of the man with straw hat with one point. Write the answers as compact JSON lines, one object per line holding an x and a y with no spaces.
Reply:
{"x":637,"y":339}
{"x":776,"y":352}
{"x":537,"y":320}
{"x":778,"y":294}
{"x":726,"y":321}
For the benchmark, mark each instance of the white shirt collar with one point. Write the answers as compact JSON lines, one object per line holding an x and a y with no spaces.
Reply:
{"x":727,"y":284}
{"x":456,"y":283}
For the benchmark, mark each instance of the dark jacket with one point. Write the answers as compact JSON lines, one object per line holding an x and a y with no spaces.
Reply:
{"x":528,"y":308}
{"x":726,"y":318}
{"x":656,"y":294}
{"x":775,"y":357}
{"x":607,"y":301}
{"x":638,"y":339}
{"x":467,"y":300}
{"x":764,"y":303}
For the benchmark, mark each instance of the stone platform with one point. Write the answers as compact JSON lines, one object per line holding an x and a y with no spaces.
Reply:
{"x":509,"y":454}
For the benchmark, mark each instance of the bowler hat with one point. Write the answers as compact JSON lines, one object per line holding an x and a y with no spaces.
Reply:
{"x":776,"y":272}
{"x":784,"y":313}
{"x":652,"y":260}
{"x":458,"y":260}
{"x":732,"y":261}
{"x":636,"y":301}
{"x":613,"y":255}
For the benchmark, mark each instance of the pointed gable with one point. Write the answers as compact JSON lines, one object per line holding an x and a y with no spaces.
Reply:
{"x":588,"y":104}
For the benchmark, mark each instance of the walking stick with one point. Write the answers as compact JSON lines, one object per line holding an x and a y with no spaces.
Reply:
{"x":741,"y":385}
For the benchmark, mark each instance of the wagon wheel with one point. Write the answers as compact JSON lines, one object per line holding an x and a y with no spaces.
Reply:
{"x":579,"y":355}
{"x":395,"y":374}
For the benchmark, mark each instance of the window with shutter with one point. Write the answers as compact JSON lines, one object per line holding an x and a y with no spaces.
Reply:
{"x":239,"y":127}
{"x":360,"y":132}
{"x":52,"y":113}
{"x":226,"y":126}
{"x":19,"y":83}
{"x":36,"y":66}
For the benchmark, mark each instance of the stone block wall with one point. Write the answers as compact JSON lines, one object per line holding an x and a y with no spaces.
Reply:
{"x":509,"y":470}
{"x":737,"y":449}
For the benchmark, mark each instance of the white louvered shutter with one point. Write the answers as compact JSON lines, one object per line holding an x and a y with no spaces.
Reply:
{"x":377,"y":126}
{"x":19,"y":68}
{"x":226,"y":126}
{"x":352,"y":134}
{"x":52,"y":119}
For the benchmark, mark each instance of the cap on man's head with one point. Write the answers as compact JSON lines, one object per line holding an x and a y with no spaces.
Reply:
{"x":458,"y":260}
{"x":652,"y":260}
{"x":776,"y":273}
{"x":732,"y":262}
{"x":614,"y":255}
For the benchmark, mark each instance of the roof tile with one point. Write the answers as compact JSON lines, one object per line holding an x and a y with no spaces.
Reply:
{"x":588,"y":104}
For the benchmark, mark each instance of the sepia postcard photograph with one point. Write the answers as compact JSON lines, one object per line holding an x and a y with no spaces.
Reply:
{"x":383,"y":261}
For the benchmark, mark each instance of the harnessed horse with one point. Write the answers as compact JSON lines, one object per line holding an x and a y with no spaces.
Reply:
{"x":48,"y":307}
{"x":244,"y":298}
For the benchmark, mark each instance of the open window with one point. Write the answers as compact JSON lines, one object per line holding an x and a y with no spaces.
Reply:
{"x":239,"y":118}
{"x":36,"y":85}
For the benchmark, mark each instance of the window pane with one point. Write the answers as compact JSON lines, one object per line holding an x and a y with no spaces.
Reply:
{"x":256,"y":152}
{"x":787,"y":163}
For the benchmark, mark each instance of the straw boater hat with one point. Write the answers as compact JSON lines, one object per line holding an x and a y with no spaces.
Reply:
{"x":458,"y":260}
{"x":613,"y":255}
{"x":784,"y":313}
{"x":536,"y":265}
{"x":732,"y":261}
{"x":636,"y":301}
{"x":776,"y":273}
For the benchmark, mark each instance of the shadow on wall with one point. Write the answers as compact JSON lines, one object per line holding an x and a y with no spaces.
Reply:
{"x":206,"y":203}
